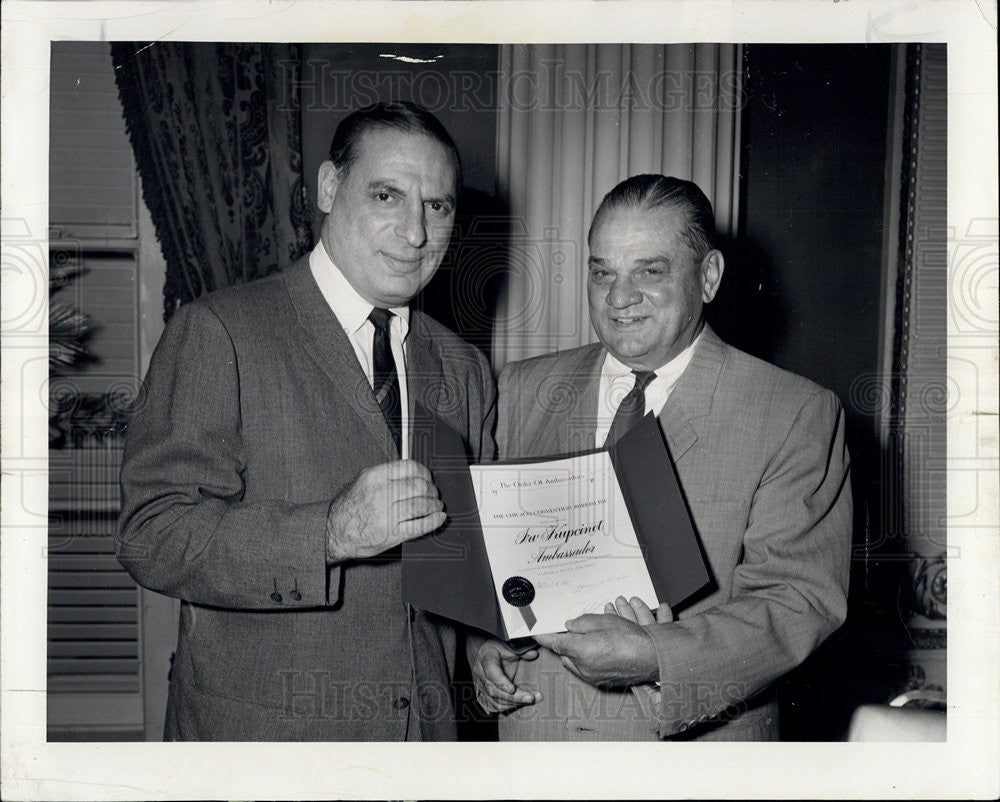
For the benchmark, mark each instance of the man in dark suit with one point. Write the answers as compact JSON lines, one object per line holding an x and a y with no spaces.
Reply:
{"x":270,"y":474}
{"x":762,"y":465}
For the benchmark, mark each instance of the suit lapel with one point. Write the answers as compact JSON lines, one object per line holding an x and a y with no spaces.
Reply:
{"x":692,"y":395}
{"x":424,"y":373}
{"x":323,"y":338}
{"x":576,"y":432}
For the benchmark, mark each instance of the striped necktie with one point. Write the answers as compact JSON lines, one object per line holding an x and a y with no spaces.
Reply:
{"x":631,"y":409}
{"x":385,"y":382}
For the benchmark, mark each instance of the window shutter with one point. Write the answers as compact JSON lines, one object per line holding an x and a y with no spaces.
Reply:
{"x":95,"y":677}
{"x":93,"y":605}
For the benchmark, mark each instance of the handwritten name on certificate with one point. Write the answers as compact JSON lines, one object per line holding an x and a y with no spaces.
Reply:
{"x":559,"y":539}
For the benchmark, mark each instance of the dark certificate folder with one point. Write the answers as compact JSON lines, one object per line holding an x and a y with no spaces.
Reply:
{"x":448,"y":572}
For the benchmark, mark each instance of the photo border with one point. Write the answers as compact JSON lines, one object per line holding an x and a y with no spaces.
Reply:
{"x":33,"y":769}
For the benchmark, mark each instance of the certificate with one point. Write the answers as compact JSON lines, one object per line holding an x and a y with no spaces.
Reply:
{"x":559,"y":539}
{"x":529,"y":545}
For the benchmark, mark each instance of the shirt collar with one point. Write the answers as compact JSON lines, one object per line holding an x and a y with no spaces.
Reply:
{"x":668,"y":374}
{"x":350,"y":308}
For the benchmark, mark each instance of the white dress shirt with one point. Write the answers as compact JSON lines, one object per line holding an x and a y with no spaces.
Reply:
{"x":352,"y":311}
{"x":617,"y":380}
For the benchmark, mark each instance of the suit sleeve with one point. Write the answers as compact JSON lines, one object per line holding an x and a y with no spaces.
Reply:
{"x":185,"y":529}
{"x":789,"y":591}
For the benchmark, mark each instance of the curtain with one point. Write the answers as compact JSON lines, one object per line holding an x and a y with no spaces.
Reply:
{"x":216,"y":132}
{"x":574,"y":121}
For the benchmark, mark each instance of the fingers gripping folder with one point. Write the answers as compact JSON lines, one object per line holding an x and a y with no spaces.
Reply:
{"x":450,"y":572}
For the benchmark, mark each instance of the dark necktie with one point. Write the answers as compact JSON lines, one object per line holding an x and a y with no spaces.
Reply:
{"x":385,"y":383}
{"x":632,"y":407}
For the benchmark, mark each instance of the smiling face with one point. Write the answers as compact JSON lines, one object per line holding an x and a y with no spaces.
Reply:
{"x":646,"y":286}
{"x":390,"y":214}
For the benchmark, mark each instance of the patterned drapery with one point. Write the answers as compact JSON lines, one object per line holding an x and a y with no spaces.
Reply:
{"x":216,"y":131}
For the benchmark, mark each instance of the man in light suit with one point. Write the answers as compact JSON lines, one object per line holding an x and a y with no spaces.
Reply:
{"x":271,"y":473}
{"x":763,"y":468}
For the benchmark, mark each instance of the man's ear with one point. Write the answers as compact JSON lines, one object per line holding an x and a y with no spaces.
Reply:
{"x":327,"y":183}
{"x":712,"y":266}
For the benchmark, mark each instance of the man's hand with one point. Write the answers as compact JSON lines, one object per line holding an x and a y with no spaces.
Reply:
{"x":384,"y":506}
{"x":606,"y":650}
{"x":635,"y":609}
{"x":493,"y":667}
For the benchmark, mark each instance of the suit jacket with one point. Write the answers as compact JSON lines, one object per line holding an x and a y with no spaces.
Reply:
{"x":255,"y":414}
{"x":764,"y":470}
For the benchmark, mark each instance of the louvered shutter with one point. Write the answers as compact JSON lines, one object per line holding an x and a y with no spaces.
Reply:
{"x":95,"y":672}
{"x":93,"y":631}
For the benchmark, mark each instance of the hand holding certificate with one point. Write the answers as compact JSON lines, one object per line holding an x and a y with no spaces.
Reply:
{"x":559,"y":539}
{"x":530,"y":545}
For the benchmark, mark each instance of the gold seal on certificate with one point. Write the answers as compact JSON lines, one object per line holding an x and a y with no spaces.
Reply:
{"x":519,"y":592}
{"x":560,"y":540}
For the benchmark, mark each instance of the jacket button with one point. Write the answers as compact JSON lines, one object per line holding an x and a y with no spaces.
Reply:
{"x":296,"y":596}
{"x":401,"y":703}
{"x":276,"y":597}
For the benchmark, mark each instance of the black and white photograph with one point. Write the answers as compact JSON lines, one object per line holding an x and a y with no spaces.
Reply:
{"x":437,"y":373}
